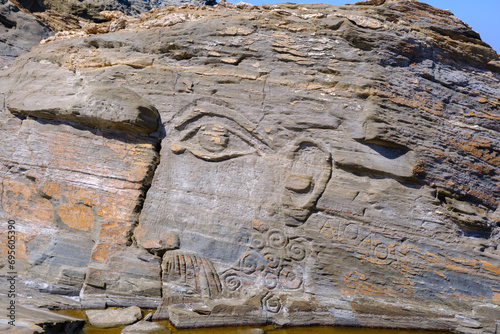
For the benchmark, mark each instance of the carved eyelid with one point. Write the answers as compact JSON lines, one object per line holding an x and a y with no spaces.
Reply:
{"x":247,"y":135}
{"x":193,"y":132}
{"x":228,"y":115}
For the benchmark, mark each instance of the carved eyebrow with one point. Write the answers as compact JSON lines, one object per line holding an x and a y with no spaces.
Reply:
{"x":198,"y":112}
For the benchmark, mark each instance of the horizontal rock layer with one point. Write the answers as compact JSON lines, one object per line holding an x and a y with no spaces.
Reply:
{"x":295,"y":164}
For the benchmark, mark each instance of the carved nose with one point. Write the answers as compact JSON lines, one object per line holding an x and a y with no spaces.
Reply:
{"x":307,"y":174}
{"x":300,"y":183}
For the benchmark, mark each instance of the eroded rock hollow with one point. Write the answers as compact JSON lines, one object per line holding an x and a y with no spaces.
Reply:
{"x":295,"y":164}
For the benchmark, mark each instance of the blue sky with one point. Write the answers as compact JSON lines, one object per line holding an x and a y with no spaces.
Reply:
{"x":482,"y":15}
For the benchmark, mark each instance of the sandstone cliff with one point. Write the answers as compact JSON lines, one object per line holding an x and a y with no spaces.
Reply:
{"x":296,"y":164}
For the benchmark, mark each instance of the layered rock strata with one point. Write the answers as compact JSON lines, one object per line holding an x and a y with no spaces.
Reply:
{"x":90,"y":9}
{"x":288,"y":164}
{"x":24,"y":23}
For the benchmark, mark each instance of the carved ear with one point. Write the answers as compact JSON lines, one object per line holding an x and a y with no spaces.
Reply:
{"x":309,"y":170}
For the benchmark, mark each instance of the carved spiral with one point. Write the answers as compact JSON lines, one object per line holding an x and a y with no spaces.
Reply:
{"x":258,"y":242}
{"x":249,"y":263}
{"x":273,"y":261}
{"x":277,"y":239}
{"x":270,"y":280}
{"x":289,"y":278}
{"x":271,"y":303}
{"x":297,"y":251}
{"x":232,"y":282}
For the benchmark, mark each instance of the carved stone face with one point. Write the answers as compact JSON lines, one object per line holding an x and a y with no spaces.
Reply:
{"x":210,"y":154}
{"x":230,"y":196}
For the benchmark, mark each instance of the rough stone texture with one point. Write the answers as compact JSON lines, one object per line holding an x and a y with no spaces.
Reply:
{"x":19,"y":32}
{"x":114,"y":108}
{"x":313,"y":164}
{"x":24,"y":23}
{"x":30,"y":320}
{"x":146,"y":327}
{"x":114,"y":317}
{"x":90,"y":9}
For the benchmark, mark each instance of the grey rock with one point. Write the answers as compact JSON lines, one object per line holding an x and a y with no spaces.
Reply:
{"x":114,"y":317}
{"x":115,"y":108}
{"x":467,"y":322}
{"x":91,"y":9}
{"x":28,"y":320}
{"x":146,"y":327}
{"x":19,"y":32}
{"x":308,"y":164}
{"x":255,"y":331}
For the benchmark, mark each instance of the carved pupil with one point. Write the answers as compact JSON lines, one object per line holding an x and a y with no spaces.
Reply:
{"x":213,"y":137}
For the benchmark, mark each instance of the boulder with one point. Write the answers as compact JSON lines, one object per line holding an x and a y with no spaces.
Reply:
{"x":146,"y":327}
{"x":114,"y":317}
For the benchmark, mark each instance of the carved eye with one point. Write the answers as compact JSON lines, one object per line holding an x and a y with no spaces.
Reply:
{"x":215,"y":142}
{"x":213,"y":137}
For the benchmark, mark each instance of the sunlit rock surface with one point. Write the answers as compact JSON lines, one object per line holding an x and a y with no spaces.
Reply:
{"x":288,"y":164}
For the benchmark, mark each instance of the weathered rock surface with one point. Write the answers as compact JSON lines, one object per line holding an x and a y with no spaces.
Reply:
{"x":287,"y":164}
{"x":90,"y":9}
{"x":115,"y":108}
{"x":24,"y":23}
{"x":114,"y":317}
{"x":146,"y":327}
{"x":19,"y":32}
{"x":27,"y":320}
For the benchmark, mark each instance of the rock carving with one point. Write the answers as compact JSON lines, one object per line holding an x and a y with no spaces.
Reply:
{"x":294,"y":164}
{"x":196,"y":274}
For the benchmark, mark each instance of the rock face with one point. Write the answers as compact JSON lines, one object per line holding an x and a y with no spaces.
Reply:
{"x":90,"y":9}
{"x":146,"y":327}
{"x":114,"y":318}
{"x":291,"y":164}
{"x":24,"y":23}
{"x":19,"y":32}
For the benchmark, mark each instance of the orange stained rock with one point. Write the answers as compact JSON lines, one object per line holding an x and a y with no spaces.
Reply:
{"x":441,"y":274}
{"x":257,"y":224}
{"x":456,"y":268}
{"x":52,"y":189}
{"x":101,"y":252}
{"x":117,"y":209}
{"x":23,"y":202}
{"x":77,"y":216}
{"x":490,"y":267}
{"x":486,"y":114}
{"x":20,"y":246}
{"x":478,"y":147}
{"x":433,"y":258}
{"x":413,"y":103}
{"x":463,"y":261}
{"x":171,"y":240}
{"x":133,"y":158}
{"x":481,"y":195}
{"x":482,"y":99}
{"x":360,"y":285}
{"x":115,"y":233}
{"x":151,"y":244}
